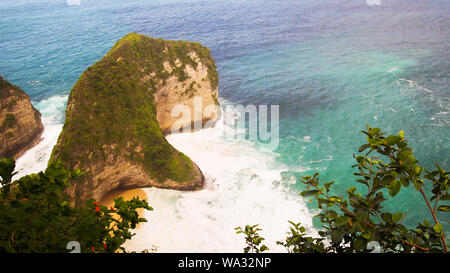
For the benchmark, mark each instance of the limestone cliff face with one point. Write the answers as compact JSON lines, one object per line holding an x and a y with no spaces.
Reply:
{"x":120,"y":109}
{"x":196,"y":93}
{"x":20,"y":123}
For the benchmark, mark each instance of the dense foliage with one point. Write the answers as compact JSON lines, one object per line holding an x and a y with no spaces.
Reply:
{"x":36,"y":217}
{"x":358,"y":222}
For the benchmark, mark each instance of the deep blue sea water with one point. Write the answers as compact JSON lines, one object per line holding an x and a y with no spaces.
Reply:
{"x":333,"y":66}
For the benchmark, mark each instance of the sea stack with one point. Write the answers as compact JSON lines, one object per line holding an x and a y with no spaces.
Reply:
{"x":20,"y":123}
{"x":120,"y":109}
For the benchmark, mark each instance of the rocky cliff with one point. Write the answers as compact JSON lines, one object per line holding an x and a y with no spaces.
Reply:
{"x":120,"y":109}
{"x":20,"y":123}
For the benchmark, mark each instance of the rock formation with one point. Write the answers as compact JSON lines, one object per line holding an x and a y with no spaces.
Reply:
{"x":173,"y":92}
{"x":120,"y":109}
{"x":20,"y":123}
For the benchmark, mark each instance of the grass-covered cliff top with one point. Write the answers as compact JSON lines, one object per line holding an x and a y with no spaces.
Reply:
{"x":173,"y":51}
{"x":5,"y":86}
{"x":111,"y":110}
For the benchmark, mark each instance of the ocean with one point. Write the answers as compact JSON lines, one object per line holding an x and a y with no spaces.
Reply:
{"x":332,"y":66}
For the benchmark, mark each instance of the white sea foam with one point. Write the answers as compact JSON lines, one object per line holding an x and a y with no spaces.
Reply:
{"x":393,"y":69}
{"x":416,"y":85}
{"x":36,"y":159}
{"x":300,"y":139}
{"x":243,"y":186}
{"x":329,"y":158}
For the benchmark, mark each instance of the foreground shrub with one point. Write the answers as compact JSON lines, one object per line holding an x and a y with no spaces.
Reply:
{"x":358,"y":222}
{"x":36,"y":217}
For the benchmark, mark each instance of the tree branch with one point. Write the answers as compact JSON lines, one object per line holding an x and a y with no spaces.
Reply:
{"x":444,"y":244}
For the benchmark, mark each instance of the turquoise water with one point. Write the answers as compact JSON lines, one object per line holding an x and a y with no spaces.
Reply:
{"x":333,"y":66}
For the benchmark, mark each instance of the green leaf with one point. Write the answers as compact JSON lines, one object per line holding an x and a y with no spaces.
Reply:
{"x":438,"y":228}
{"x":404,"y":181}
{"x":327,"y":185}
{"x":394,"y":187}
{"x":335,"y":199}
{"x":264,"y":248}
{"x":386,"y":216}
{"x":361,"y":218}
{"x":362,"y":181}
{"x":397,"y":216}
{"x":417,"y":184}
{"x":363,"y":147}
{"x":337,"y":235}
{"x":309,"y":193}
{"x":341,"y":220}
{"x":374,"y":131}
{"x":444,"y":208}
{"x":359,"y":244}
{"x":417,"y":170}
{"x":393,"y":140}
{"x":367,"y":236}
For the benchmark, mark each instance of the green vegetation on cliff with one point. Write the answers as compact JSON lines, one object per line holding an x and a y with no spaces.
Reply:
{"x":139,"y":48}
{"x":111,"y":110}
{"x":9,"y":122}
{"x":5,"y":92}
{"x":5,"y":86}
